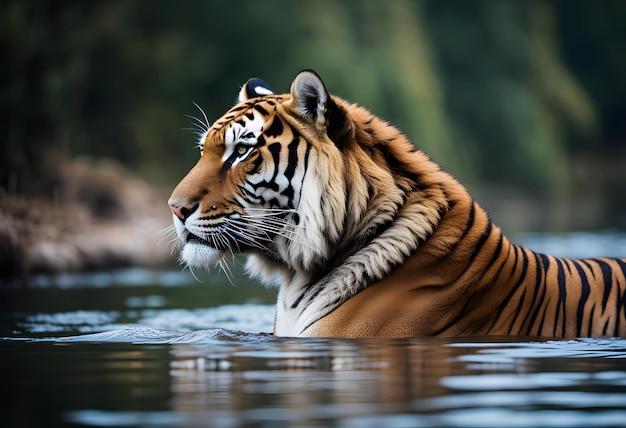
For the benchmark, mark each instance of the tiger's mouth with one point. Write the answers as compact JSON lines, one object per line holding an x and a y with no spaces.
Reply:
{"x":194,"y":238}
{"x":252,"y":232}
{"x":199,"y":252}
{"x":218,"y":244}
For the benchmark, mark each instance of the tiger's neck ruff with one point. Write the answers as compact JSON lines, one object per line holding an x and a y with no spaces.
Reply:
{"x":363,"y":233}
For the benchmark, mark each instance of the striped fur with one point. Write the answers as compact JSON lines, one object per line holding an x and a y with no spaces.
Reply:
{"x":366,"y":236}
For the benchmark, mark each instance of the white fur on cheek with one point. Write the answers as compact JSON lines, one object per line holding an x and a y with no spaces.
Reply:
{"x":180,"y":227}
{"x":309,"y":246}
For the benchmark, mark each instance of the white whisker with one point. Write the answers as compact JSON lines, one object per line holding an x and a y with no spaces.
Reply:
{"x":225,"y":268}
{"x":224,"y":240}
{"x":169,"y":233}
{"x":199,"y":133}
{"x":275,"y":212}
{"x":270,"y":224}
{"x":206,"y":120}
{"x":278,"y":224}
{"x":260,"y":226}
{"x":198,"y":125}
{"x":251,"y":239}
{"x":193,"y":274}
{"x":283,"y":210}
{"x":267,"y":229}
{"x":225,"y":244}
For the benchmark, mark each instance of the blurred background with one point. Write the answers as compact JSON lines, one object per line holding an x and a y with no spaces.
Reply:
{"x":524,"y":102}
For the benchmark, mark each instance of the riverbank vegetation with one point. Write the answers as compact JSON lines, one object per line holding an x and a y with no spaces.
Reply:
{"x":525,"y":102}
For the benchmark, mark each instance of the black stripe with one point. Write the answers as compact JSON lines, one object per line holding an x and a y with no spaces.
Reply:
{"x":274,"y":149}
{"x":543,"y":319}
{"x":314,"y":292}
{"x":519,"y":282}
{"x":483,"y":239}
{"x":305,"y":164}
{"x":252,"y":197}
{"x":470,"y":220}
{"x":560,"y":277}
{"x":260,"y":109}
{"x":518,"y":312}
{"x":275,"y":129}
{"x":583,"y":298}
{"x":607,"y":278}
{"x":493,"y":259}
{"x":620,"y":302}
{"x":543,"y":263}
{"x":229,"y":162}
{"x":516,"y":250}
{"x":591,"y":320}
{"x":496,"y":254}
{"x":606,"y":326}
{"x":292,"y":159}
{"x":456,"y":319}
{"x":298,"y":300}
{"x":468,"y":226}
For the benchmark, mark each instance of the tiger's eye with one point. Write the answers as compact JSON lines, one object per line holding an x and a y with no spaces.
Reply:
{"x":241,"y":149}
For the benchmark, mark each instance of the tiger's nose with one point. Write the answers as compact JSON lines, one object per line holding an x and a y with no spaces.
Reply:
{"x":182,"y":211}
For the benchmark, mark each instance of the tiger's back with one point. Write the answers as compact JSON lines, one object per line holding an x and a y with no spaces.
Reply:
{"x":366,"y":236}
{"x":487,"y":286}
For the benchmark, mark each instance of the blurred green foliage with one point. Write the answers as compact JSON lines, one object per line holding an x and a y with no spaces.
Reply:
{"x":493,"y":90}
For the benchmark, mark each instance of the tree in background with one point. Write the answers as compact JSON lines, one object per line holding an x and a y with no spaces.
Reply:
{"x":496,"y":91}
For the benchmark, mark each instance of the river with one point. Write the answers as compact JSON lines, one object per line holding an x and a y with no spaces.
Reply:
{"x":143,"y":348}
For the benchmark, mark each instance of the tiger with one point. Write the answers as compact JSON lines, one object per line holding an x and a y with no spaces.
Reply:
{"x":364,"y":235}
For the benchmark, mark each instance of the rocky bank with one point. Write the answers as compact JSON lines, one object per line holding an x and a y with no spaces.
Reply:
{"x":98,"y":215}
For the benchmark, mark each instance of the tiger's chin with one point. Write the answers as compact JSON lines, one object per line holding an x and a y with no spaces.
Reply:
{"x":197,"y":254}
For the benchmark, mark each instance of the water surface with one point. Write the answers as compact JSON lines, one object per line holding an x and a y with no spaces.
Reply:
{"x":143,"y":348}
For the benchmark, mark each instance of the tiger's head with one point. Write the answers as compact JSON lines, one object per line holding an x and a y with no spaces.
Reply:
{"x":298,"y":181}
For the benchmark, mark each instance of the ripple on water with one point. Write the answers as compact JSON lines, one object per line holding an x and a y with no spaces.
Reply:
{"x":250,"y":318}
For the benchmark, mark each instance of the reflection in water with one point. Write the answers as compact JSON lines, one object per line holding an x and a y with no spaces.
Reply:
{"x":224,"y":378}
{"x":316,"y":381}
{"x":143,"y":376}
{"x":234,"y":378}
{"x":148,"y":349}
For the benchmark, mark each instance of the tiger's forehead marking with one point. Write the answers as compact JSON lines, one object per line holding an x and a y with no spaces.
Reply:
{"x":243,"y":120}
{"x":264,"y":105}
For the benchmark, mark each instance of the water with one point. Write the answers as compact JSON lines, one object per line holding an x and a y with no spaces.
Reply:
{"x":140,"y":348}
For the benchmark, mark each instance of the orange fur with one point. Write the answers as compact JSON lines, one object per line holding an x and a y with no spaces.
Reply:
{"x":401,"y":248}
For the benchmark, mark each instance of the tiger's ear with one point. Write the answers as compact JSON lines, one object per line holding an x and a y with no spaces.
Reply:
{"x":310,"y":97}
{"x":253,"y":88}
{"x":313,"y":102}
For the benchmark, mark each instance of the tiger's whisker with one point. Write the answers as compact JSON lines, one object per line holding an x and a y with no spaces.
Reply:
{"x":206,"y":120}
{"x":225,"y":268}
{"x":197,"y":123}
